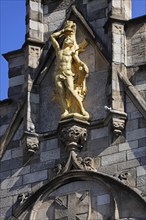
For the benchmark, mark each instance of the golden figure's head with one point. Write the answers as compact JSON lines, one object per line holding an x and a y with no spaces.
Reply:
{"x":68,"y":42}
{"x":69,"y":26}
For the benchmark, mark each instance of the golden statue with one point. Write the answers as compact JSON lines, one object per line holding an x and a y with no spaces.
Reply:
{"x":70,"y":72}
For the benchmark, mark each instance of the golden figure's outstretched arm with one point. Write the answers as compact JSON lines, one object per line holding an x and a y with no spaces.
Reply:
{"x":81,"y":64}
{"x":53,"y":39}
{"x":82,"y":46}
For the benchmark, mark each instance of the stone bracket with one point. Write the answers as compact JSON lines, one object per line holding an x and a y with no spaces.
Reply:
{"x":133,"y":94}
{"x":76,"y":162}
{"x":30,"y":143}
{"x":73,"y":134}
{"x":118,"y":121}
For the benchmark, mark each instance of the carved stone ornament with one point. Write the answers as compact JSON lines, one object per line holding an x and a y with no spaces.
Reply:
{"x":68,"y":203}
{"x":118,"y":126}
{"x":32,"y":148}
{"x":76,"y":162}
{"x":22,"y":197}
{"x":34,"y":53}
{"x":30,"y":143}
{"x":118,"y":121}
{"x":125,"y":177}
{"x":73,"y":137}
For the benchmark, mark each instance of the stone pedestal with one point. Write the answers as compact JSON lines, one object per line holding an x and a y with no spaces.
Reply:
{"x":73,"y":133}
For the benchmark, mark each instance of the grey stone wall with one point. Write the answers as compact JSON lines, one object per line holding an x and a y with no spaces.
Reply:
{"x":122,"y":158}
{"x":136,"y":39}
{"x":16,"y":64}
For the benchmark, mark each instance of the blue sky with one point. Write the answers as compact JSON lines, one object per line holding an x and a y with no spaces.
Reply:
{"x":12,"y":32}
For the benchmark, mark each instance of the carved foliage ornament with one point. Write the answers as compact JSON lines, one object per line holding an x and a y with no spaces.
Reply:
{"x":73,"y":137}
{"x":76,"y":162}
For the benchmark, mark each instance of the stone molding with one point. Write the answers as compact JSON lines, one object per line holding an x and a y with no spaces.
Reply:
{"x":30,"y":143}
{"x":77,"y":175}
{"x":73,"y":137}
{"x":133,"y":94}
{"x":76,"y":162}
{"x":118,"y":121}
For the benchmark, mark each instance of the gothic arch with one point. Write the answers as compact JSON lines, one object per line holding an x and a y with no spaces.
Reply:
{"x":118,"y":192}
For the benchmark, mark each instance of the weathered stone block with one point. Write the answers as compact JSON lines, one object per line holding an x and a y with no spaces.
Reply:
{"x":100,"y":22}
{"x":128,"y":164}
{"x":16,"y":61}
{"x":136,"y":134}
{"x":141,"y":170}
{"x":134,"y":115}
{"x":17,"y":152}
{"x":42,"y":166}
{"x":98,"y":145}
{"x":5,"y":212}
{"x":49,"y":145}
{"x":37,"y":26}
{"x":110,"y":169}
{"x":103,"y":199}
{"x":11,"y":182}
{"x":3,"y":129}
{"x":35,"y":177}
{"x":110,"y":150}
{"x":55,"y":25}
{"x":142,"y":142}
{"x":5,"y":202}
{"x":143,"y":160}
{"x":35,"y":34}
{"x":141,"y":181}
{"x":7,"y":155}
{"x":55,"y":16}
{"x":16,"y":81}
{"x":35,"y":6}
{"x":16,"y":71}
{"x":141,"y":123}
{"x":114,"y":158}
{"x":35,"y":16}
{"x":34,"y":98}
{"x":5,"y":165}
{"x":96,"y":9}
{"x":99,"y":133}
{"x":16,"y":162}
{"x":132,"y":125}
{"x":130,"y":107}
{"x":36,"y":186}
{"x":128,"y":145}
{"x":45,"y":9}
{"x":50,"y":155}
{"x":4,"y":175}
{"x":21,"y":171}
{"x":136,"y":153}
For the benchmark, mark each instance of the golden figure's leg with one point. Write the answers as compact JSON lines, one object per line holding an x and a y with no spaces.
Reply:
{"x":61,"y":91}
{"x":69,"y":83}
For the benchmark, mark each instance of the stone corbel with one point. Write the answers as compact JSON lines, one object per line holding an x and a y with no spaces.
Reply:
{"x":125,"y":177}
{"x":73,"y":137}
{"x":76,"y":162}
{"x":30,"y":143}
{"x":22,"y":197}
{"x":118,"y":121}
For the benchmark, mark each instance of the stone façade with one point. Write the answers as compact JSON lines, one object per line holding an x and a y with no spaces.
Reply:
{"x":48,"y":165}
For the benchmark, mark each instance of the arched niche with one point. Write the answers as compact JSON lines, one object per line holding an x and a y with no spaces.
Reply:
{"x":83,"y":195}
